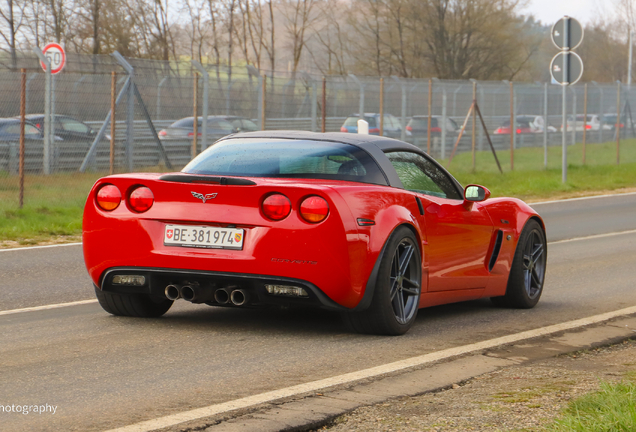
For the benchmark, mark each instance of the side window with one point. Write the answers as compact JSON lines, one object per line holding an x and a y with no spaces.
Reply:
{"x":418,"y":174}
{"x":73,"y":126}
{"x":249,"y":125}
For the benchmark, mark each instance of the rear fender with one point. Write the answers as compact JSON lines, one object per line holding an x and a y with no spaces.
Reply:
{"x":391,"y":218}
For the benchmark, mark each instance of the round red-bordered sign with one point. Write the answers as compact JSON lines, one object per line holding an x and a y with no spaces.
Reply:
{"x":57,"y":57}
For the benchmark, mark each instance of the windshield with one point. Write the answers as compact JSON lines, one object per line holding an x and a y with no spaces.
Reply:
{"x":257,"y":157}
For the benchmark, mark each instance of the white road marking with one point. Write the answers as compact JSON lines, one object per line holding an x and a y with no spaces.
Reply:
{"x":581,"y":198}
{"x":39,"y":247}
{"x":593,"y":237}
{"x":46,"y":307}
{"x":249,"y":401}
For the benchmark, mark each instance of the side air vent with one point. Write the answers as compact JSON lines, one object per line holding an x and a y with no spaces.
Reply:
{"x":185,"y":178}
{"x":419,"y":205}
{"x":495,"y":250}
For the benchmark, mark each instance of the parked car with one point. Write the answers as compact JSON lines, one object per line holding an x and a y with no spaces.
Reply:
{"x":417,"y":126}
{"x":370,"y":227}
{"x":241,"y":124}
{"x":609,"y":122}
{"x":525,"y":124}
{"x":10,"y":130}
{"x":183,"y":129}
{"x":66,"y":127}
{"x":593,"y":123}
{"x":392,"y":127}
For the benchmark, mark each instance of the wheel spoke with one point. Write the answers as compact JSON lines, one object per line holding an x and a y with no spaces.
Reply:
{"x":526,"y":261}
{"x":399,"y":306}
{"x":410,"y":291}
{"x":394,"y":288}
{"x":538,"y":251}
{"x":535,"y":278}
{"x":406,"y":259}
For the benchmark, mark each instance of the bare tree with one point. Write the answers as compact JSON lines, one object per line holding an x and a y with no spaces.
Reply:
{"x":9,"y":26}
{"x":299,"y":17}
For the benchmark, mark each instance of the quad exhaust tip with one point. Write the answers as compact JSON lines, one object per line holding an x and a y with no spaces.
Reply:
{"x":222,"y":296}
{"x":172,"y":292}
{"x":239,"y":297}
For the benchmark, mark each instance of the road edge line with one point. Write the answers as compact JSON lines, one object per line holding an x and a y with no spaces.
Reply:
{"x":348,"y":378}
{"x":595,"y":236}
{"x":46,"y":307}
{"x":39,"y":247}
{"x":581,"y":198}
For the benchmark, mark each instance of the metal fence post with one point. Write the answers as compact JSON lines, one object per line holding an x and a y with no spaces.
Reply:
{"x":204,"y":111}
{"x":28,"y":84}
{"x":158,"y":110}
{"x":314,"y":106}
{"x":403,"y":114}
{"x":600,"y":111}
{"x":259,"y":111}
{"x":573,"y":115}
{"x":130,"y":110}
{"x":545,"y":125}
{"x":618,"y":122}
{"x":47,"y":111}
{"x":361,"y":106}
{"x":444,"y":120}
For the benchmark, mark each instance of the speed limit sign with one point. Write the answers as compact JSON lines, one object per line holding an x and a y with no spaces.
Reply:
{"x":57,"y":57}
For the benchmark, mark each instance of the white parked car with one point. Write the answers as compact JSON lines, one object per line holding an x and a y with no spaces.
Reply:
{"x":593,"y":123}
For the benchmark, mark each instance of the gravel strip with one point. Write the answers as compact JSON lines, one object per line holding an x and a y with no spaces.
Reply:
{"x":518,"y":398}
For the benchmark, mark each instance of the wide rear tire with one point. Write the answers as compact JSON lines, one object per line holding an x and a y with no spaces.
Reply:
{"x":397,"y":292}
{"x":133,"y":305}
{"x":527,"y":275}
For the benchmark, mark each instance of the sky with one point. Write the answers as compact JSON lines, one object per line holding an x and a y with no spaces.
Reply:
{"x":549,"y":11}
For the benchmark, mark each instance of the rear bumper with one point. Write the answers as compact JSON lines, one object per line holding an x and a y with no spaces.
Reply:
{"x":157,"y":279}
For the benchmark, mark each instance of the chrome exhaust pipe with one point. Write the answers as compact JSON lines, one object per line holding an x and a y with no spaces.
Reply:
{"x":172,"y":292}
{"x":239,"y":297}
{"x":221,"y":296}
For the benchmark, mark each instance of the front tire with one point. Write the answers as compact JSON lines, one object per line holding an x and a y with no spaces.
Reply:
{"x":132,"y":305}
{"x":527,"y":274}
{"x":396,"y":298}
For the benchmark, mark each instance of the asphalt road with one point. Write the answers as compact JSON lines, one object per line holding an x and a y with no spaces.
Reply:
{"x":103,"y":371}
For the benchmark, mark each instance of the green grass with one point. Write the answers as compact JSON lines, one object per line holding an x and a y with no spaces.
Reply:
{"x":53,"y":204}
{"x":611,"y":409}
{"x":531,"y":180}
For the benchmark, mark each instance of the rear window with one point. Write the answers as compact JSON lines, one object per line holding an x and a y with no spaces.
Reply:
{"x":353,"y":121}
{"x":253,"y":157}
{"x":422,"y":123}
{"x":184,"y":123}
{"x":219,"y":124}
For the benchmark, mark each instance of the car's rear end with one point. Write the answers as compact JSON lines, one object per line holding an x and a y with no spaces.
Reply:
{"x":350,"y":125}
{"x":418,"y":126}
{"x":223,"y":240}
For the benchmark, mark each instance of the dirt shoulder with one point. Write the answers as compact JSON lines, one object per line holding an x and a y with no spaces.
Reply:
{"x":515,"y":398}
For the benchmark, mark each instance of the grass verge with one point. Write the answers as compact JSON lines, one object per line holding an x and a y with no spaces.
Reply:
{"x":53,"y":204}
{"x":611,"y":409}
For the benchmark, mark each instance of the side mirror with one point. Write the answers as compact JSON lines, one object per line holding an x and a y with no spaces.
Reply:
{"x":476,"y":193}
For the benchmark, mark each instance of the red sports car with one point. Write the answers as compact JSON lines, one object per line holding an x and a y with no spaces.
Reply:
{"x":366,"y":225}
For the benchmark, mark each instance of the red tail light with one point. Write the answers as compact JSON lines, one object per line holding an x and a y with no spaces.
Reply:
{"x":343,"y":129}
{"x":499,"y":131}
{"x":108,"y":197}
{"x":163,"y":133}
{"x":588,"y":127}
{"x":191,"y":134}
{"x":436,"y":129}
{"x":518,"y":130}
{"x":409,"y":128}
{"x":374,"y":130}
{"x":141,"y":199}
{"x":276,"y":207}
{"x":314,"y":209}
{"x":620,"y":125}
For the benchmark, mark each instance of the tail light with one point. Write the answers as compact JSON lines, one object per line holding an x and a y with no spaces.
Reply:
{"x":518,"y":130}
{"x":276,"y":207}
{"x":343,"y":129}
{"x":620,"y":125}
{"x":499,"y":131}
{"x":409,"y":128}
{"x":191,"y":134}
{"x":374,"y":130}
{"x":588,"y":127}
{"x":108,"y":197}
{"x":141,"y":199}
{"x":163,"y":133}
{"x":314,"y":209}
{"x":436,"y":129}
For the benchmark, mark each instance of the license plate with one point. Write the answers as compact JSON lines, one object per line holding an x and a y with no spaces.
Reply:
{"x":203,"y":237}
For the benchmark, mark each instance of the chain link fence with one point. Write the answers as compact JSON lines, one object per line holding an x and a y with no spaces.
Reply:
{"x":153,"y":95}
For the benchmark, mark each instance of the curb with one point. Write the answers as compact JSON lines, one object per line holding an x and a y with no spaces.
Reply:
{"x":312,"y":411}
